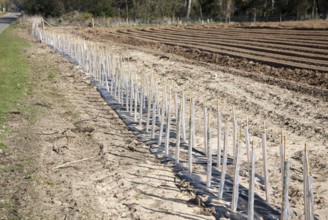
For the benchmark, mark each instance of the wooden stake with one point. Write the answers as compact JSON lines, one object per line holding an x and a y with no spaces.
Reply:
{"x":224,"y":165}
{"x":165,"y":100}
{"x":311,"y":198}
{"x":247,"y":142}
{"x":191,"y":141}
{"x":149,"y":100}
{"x":183,"y":119}
{"x":106,"y":82}
{"x":307,"y":187}
{"x":126,"y":96}
{"x":161,"y":127}
{"x":115,"y":85}
{"x":131,"y":95}
{"x":119,"y":89}
{"x":153,"y":119}
{"x":265,"y":167}
{"x":176,"y":106}
{"x":178,"y":132}
{"x":122,"y":89}
{"x":144,"y":90}
{"x":111,"y":86}
{"x":282,"y":156}
{"x":235,"y":192}
{"x":235,"y":135}
{"x":250,"y":212}
{"x":194,"y":125}
{"x":209,"y":158}
{"x":190,"y":120}
{"x":205,"y":130}
{"x":285,"y":147}
{"x":135,"y":103}
{"x":141,"y":107}
{"x":168,"y":124}
{"x":285,"y":202}
{"x":219,"y":144}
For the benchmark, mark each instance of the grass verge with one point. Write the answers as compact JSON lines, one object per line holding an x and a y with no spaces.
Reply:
{"x":14,"y":70}
{"x":17,"y":157}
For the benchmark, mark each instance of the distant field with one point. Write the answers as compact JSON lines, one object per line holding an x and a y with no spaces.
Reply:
{"x":293,"y":51}
{"x":303,"y":49}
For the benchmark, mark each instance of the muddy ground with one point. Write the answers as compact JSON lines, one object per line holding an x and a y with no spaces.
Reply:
{"x":69,"y":156}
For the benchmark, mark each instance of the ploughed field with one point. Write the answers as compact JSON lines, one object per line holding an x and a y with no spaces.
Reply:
{"x":290,"y":54}
{"x":302,"y":49}
{"x":302,"y":117}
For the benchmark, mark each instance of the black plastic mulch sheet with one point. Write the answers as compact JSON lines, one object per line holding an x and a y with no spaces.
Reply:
{"x":262,"y":210}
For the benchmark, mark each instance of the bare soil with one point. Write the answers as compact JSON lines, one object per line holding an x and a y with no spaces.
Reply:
{"x":289,"y":58}
{"x":293,"y":25}
{"x":75,"y":159}
{"x":81,"y":161}
{"x":303,"y":117}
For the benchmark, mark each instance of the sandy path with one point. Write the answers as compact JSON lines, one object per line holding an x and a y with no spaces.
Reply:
{"x":89,"y":165}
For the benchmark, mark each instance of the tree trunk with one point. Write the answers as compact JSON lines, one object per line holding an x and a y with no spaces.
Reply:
{"x":127,"y":11}
{"x":188,"y":9}
{"x":313,"y":9}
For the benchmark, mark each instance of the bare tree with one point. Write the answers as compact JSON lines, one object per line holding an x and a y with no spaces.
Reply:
{"x":188,"y":8}
{"x":227,"y":8}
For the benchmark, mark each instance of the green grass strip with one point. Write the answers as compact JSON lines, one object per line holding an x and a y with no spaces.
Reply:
{"x":14,"y":70}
